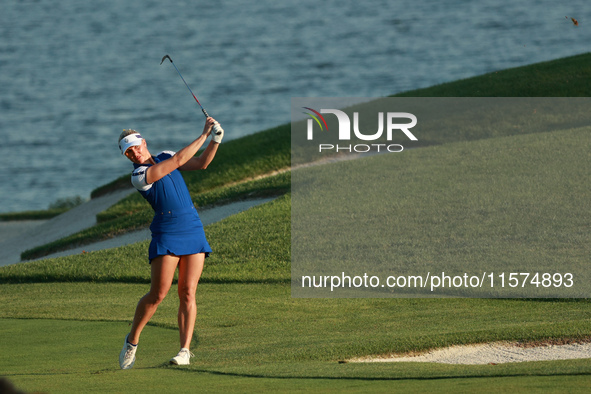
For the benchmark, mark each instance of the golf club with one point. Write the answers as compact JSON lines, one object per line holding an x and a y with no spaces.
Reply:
{"x":215,"y":127}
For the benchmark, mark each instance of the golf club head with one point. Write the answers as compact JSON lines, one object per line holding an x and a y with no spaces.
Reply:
{"x":186,"y":84}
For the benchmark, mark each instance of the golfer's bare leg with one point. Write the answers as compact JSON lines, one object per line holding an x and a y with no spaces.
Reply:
{"x":163,"y":268}
{"x":190,"y":268}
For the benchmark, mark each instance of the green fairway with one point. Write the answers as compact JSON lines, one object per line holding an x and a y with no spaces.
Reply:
{"x":260,"y":323}
{"x":79,"y":359}
{"x":521,"y":198}
{"x":255,"y":337}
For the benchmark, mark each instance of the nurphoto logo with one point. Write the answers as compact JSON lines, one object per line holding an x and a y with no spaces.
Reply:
{"x":391,"y":119}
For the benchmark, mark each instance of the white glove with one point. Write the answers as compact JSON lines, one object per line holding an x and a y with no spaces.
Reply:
{"x":217,"y":133}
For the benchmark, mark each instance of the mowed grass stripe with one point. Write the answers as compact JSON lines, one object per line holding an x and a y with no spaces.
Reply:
{"x":240,"y":325}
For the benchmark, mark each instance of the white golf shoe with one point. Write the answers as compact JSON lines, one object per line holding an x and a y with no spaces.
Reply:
{"x":182,"y":358}
{"x":127,"y":355}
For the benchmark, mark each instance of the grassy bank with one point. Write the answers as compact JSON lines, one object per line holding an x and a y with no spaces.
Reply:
{"x":44,"y":214}
{"x":242,"y":255}
{"x":567,"y":77}
{"x":132,"y":213}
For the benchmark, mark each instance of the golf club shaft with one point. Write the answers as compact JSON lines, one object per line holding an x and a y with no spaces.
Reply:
{"x":216,"y":127}
{"x":187,"y":85}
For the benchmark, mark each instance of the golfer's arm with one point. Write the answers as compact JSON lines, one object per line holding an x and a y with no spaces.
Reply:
{"x":201,"y":162}
{"x":160,"y":170}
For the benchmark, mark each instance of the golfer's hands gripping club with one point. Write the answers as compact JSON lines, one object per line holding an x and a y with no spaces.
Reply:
{"x":218,"y":133}
{"x":211,"y":125}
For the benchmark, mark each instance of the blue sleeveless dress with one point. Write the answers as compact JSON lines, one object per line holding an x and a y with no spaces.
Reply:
{"x":176,"y":227}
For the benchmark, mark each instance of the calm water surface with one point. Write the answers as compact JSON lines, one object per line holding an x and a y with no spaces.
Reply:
{"x":74,"y":73}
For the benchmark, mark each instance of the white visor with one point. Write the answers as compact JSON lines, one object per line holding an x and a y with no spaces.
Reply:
{"x":129,"y":141}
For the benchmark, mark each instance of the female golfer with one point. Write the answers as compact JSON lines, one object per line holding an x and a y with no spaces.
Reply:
{"x":178,"y":239}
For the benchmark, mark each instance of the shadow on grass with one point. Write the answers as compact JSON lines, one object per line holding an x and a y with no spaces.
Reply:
{"x":377,"y":378}
{"x":130,"y":280}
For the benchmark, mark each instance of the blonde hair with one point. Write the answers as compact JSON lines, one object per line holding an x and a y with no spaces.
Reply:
{"x":125,"y":133}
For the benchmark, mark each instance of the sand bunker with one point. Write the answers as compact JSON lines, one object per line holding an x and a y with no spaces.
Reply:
{"x":492,"y":353}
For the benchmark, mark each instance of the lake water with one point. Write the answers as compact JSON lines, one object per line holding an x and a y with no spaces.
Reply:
{"x":73,"y":74}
